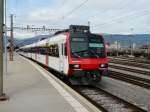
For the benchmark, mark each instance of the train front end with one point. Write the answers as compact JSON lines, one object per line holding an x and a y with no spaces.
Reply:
{"x":86,"y":55}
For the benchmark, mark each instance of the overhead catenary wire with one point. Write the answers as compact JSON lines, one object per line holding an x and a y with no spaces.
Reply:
{"x":63,"y":3}
{"x":108,"y":9}
{"x":71,"y":12}
{"x":114,"y":6}
{"x":120,"y":4}
{"x":75,"y":9}
{"x":121,"y":17}
{"x":139,"y":16}
{"x":104,"y":25}
{"x":123,"y":8}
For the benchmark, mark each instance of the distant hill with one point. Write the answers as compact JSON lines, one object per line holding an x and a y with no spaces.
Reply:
{"x":28,"y":41}
{"x":8,"y":38}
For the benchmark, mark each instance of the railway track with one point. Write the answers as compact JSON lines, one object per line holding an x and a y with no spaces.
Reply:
{"x":144,"y":61}
{"x":131,"y":70}
{"x":145,"y":83}
{"x":105,"y":101}
{"x":130,"y":63}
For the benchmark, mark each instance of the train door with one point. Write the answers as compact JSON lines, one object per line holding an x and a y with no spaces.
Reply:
{"x":65,"y":59}
{"x":61,"y":61}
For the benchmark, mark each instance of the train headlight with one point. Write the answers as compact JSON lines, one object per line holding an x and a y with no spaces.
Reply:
{"x":103,"y":65}
{"x":75,"y":66}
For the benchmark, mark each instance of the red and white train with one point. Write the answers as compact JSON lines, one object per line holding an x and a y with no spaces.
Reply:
{"x":75,"y":53}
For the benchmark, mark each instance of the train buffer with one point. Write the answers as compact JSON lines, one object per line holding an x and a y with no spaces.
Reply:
{"x":33,"y":89}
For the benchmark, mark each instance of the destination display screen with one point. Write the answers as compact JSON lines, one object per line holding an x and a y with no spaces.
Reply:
{"x":96,"y":45}
{"x":78,"y":39}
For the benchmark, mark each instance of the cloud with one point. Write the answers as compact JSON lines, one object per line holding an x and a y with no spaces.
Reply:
{"x":44,"y":15}
{"x":56,"y":14}
{"x":22,"y":35}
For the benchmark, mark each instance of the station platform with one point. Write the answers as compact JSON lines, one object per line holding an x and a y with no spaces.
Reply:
{"x":33,"y":89}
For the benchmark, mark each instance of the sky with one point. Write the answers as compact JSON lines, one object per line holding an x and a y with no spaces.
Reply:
{"x":105,"y":16}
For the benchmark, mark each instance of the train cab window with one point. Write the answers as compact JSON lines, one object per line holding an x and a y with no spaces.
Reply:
{"x":87,"y":46}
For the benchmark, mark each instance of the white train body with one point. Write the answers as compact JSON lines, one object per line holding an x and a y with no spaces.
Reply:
{"x":60,"y":64}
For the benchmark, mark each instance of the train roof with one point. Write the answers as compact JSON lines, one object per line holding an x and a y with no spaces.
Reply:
{"x":60,"y":36}
{"x":53,"y":39}
{"x":75,"y":28}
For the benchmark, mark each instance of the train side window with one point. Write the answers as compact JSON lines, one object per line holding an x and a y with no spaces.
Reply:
{"x":53,"y":50}
{"x":62,"y":49}
{"x":42,"y":50}
{"x":65,"y":52}
{"x":56,"y":51}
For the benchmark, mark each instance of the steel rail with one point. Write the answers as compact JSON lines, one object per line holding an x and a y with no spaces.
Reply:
{"x":130,"y":79}
{"x":131,"y":70}
{"x":141,"y":65}
{"x":106,"y":101}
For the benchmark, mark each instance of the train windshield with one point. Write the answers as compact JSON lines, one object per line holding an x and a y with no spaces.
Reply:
{"x":91,"y":46}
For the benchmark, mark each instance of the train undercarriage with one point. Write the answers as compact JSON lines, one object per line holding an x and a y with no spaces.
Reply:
{"x":86,"y":77}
